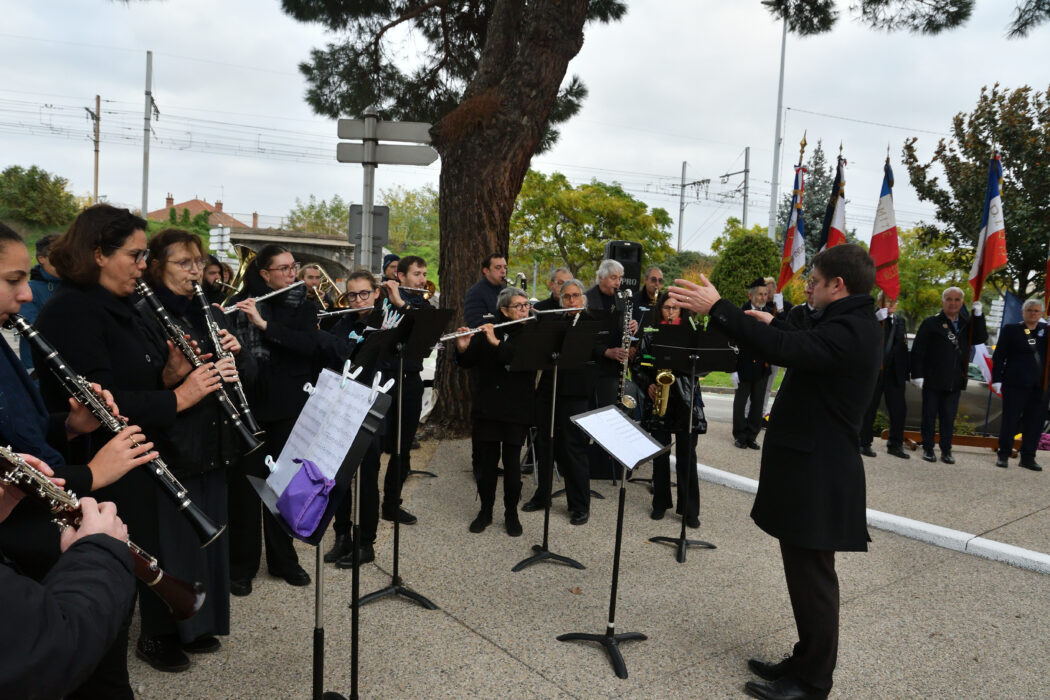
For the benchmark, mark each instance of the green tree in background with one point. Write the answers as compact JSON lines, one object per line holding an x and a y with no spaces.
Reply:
{"x":744,"y":259}
{"x":327,"y":218}
{"x":1018,"y":122}
{"x":36,"y":197}
{"x":925,"y":272}
{"x":414,"y":225}
{"x":734,"y":228}
{"x":556,"y":223}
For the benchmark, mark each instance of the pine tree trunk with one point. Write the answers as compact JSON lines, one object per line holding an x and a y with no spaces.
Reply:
{"x":486,"y":145}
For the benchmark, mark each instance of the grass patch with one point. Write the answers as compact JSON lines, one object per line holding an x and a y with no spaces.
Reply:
{"x":722,"y":379}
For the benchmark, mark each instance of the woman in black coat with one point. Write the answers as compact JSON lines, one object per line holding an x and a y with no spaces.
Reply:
{"x":281,"y":334}
{"x":503,"y":408}
{"x":92,"y":322}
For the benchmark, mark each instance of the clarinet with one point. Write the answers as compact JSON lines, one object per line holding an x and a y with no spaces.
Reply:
{"x":176,"y":336}
{"x":80,"y":389}
{"x":183,"y":599}
{"x":623,"y":399}
{"x":238,"y":388}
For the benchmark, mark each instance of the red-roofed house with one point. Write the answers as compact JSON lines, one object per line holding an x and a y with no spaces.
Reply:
{"x":195,"y":207}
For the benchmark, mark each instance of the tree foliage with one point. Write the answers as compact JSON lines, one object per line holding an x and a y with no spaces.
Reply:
{"x":734,"y":228}
{"x":924,"y":272}
{"x":556,"y":223}
{"x":1018,"y":122}
{"x":36,"y":197}
{"x":414,"y":228}
{"x":744,"y":259}
{"x":327,"y":218}
{"x":685,"y":265}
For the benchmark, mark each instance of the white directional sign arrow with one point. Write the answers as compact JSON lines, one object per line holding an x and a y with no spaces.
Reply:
{"x":386,"y":155}
{"x":410,"y":132}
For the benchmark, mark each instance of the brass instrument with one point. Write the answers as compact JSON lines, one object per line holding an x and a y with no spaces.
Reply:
{"x":327,"y":285}
{"x":245,"y":255}
{"x":428,"y":290}
{"x":664,"y":382}
{"x":522,"y":283}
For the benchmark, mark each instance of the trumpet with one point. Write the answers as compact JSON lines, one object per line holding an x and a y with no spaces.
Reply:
{"x":664,"y":382}
{"x":428,"y":290}
{"x":231,"y":309}
{"x":327,"y":285}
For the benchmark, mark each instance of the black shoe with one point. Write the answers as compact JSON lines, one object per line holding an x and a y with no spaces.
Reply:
{"x":162,"y":653}
{"x":753,"y":445}
{"x":692,"y":521}
{"x":928,"y":456}
{"x":658,"y":513}
{"x":205,"y":644}
{"x":947,"y":458}
{"x":241,"y":587}
{"x":401,"y":515}
{"x":786,"y":688}
{"x":579,"y":517}
{"x":1030,"y":464}
{"x":532,"y":505}
{"x":739,"y":443}
{"x":768,"y":671}
{"x":368,"y":554}
{"x":415,"y":445}
{"x":512,"y":524}
{"x":1002,"y":462}
{"x":341,"y":547}
{"x":899,"y":452}
{"x":481,"y":522}
{"x":867,"y":451}
{"x":294,"y":577}
{"x":526,"y":469}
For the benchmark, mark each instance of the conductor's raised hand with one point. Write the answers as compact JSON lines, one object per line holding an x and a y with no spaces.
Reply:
{"x":697,"y":298}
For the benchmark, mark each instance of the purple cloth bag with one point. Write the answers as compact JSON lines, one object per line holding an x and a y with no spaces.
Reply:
{"x":305,"y":499}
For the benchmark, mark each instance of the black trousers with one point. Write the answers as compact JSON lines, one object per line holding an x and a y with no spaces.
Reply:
{"x":245,"y":509}
{"x":570,"y":451}
{"x":814,"y":590}
{"x":1024,"y":408}
{"x":368,"y":473}
{"x":938,"y":407}
{"x":400,"y":464}
{"x":488,"y":455}
{"x":685,"y":468}
{"x":747,"y":427}
{"x":896,"y":408}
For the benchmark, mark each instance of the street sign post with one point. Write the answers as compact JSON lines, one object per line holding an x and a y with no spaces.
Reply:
{"x":380,"y":235}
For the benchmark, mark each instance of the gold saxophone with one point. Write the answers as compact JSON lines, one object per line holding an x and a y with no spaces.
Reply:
{"x":664,"y":382}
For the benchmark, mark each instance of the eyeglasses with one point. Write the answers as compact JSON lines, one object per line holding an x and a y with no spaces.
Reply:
{"x":577,"y":295}
{"x":284,"y":269}
{"x":364,"y":294}
{"x":657,"y":279}
{"x":519,"y":307}
{"x":189,"y":263}
{"x":140,"y":256}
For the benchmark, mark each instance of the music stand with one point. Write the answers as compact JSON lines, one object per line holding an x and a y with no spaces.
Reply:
{"x":417,"y":334}
{"x":682,"y":359}
{"x":347,"y":471}
{"x":547,"y":346}
{"x":627,"y":443}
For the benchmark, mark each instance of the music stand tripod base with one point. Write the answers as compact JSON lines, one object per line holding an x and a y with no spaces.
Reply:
{"x":610,"y":642}
{"x":421,"y":472}
{"x":682,"y":545}
{"x":594,"y":494}
{"x":544,"y":554}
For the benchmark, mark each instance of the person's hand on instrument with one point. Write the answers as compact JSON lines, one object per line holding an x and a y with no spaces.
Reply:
{"x":96,"y":518}
{"x":229,"y":341}
{"x":124,"y":451}
{"x":227,"y":370}
{"x":616,"y":354}
{"x":81,"y":420}
{"x":652,"y":392}
{"x":251,"y":310}
{"x":490,"y":334}
{"x":11,"y":495}
{"x":462,"y":342}
{"x":201,"y":382}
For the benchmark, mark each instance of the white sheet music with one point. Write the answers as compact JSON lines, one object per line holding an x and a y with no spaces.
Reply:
{"x":625,"y":441}
{"x":325,"y":429}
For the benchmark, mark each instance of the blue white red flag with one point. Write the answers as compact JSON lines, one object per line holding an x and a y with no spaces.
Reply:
{"x":991,"y":241}
{"x":793,"y":258}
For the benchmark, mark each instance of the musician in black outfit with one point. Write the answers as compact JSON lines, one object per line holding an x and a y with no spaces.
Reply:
{"x":940,"y":359}
{"x":752,"y":376}
{"x":558,"y":277}
{"x":800,"y":316}
{"x":92,"y":322}
{"x":204,"y":445}
{"x":609,"y":352}
{"x":1019,"y":367}
{"x":211,"y":279}
{"x":502,"y":409}
{"x":893,"y":375}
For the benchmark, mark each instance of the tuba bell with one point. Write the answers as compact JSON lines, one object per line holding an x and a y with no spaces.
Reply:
{"x":245,"y":255}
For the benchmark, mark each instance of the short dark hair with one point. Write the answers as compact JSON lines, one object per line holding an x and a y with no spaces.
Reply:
{"x":362,"y":275}
{"x":850,"y":262}
{"x":160,"y":250}
{"x":487,"y":262}
{"x":101,"y":227}
{"x":43,"y":244}
{"x":406,"y":263}
{"x":253,"y":281}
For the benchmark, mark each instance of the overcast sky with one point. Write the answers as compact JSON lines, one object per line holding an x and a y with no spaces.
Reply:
{"x":676,"y":80}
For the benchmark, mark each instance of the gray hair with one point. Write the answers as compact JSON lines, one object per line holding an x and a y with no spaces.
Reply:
{"x":651,"y":268}
{"x":1032,"y":302}
{"x":579,"y":285}
{"x":555,"y":271}
{"x":609,"y":267}
{"x":508,"y":293}
{"x":944,"y":294}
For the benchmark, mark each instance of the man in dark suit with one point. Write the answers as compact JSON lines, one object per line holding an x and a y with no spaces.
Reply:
{"x":647,"y":295}
{"x":940,"y":359}
{"x":892,"y":377}
{"x":1019,"y":367}
{"x":604,"y":301}
{"x":559,"y":276}
{"x":811,"y":488}
{"x":752,"y":373}
{"x":479,"y":303}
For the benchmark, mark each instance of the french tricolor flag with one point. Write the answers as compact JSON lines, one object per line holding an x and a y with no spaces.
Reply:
{"x":793,"y":258}
{"x":885,"y":246}
{"x":991,"y":241}
{"x":833,"y":230}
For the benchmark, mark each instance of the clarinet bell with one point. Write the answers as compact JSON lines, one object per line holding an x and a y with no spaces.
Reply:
{"x":206,"y":529}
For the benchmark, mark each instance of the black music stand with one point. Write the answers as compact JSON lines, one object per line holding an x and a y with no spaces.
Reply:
{"x":683,"y":359}
{"x":347,"y":471}
{"x":547,"y":346}
{"x":644,"y":448}
{"x":416,"y":336}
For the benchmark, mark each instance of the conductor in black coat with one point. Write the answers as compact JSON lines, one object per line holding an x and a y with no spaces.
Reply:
{"x":893,"y":375}
{"x":811,"y":493}
{"x":1019,"y":366}
{"x":940,"y":359}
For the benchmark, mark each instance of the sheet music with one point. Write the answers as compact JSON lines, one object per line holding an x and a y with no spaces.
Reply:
{"x":325,"y":429}
{"x":618,"y":436}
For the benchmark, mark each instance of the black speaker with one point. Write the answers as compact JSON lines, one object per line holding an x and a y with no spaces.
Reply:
{"x":628,"y":254}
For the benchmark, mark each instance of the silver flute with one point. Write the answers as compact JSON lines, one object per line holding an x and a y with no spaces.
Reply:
{"x":231,"y":309}
{"x":479,"y":329}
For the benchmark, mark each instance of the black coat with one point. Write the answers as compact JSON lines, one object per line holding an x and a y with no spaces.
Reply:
{"x":750,"y":363}
{"x":940,"y":356}
{"x":641,"y":298}
{"x":551,"y":302}
{"x":499,"y":394}
{"x":611,"y":333}
{"x":800,"y":317}
{"x":479,"y":300}
{"x":811,"y":491}
{"x":1016,"y":361}
{"x":895,"y":358}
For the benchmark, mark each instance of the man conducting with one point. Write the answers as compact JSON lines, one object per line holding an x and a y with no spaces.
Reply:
{"x":811,"y":492}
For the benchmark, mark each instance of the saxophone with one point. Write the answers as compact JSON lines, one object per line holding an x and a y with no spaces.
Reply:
{"x":664,"y":382}
{"x":623,"y":399}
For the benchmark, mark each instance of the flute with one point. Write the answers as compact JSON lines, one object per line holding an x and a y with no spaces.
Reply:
{"x":82,"y":392}
{"x":231,"y":309}
{"x":183,"y":599}
{"x":479,"y":329}
{"x":325,"y":314}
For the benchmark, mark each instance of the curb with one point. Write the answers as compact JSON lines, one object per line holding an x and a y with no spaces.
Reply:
{"x":945,"y":537}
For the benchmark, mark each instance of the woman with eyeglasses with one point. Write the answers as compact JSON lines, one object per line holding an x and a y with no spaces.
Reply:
{"x":503,"y":408}
{"x":281,"y":334}
{"x":92,"y":322}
